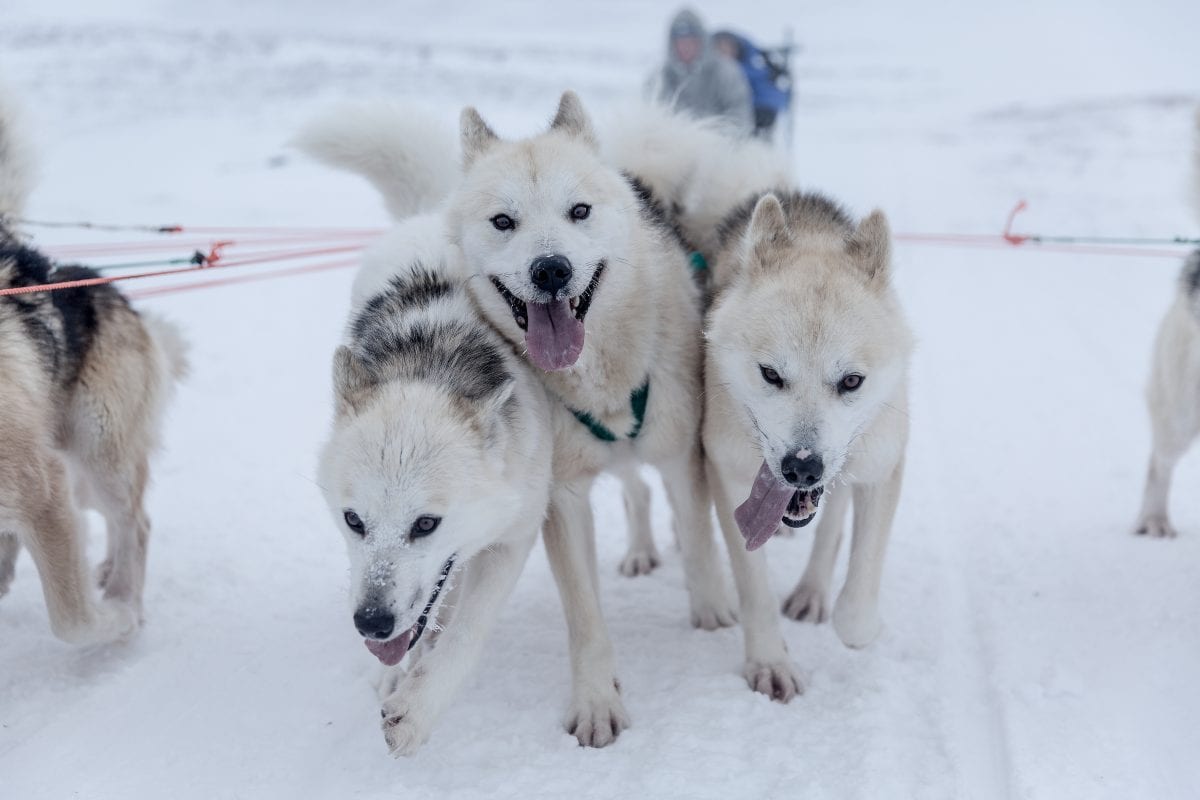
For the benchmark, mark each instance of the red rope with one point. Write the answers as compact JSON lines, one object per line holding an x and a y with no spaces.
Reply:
{"x":279,"y":273}
{"x":210,"y":262}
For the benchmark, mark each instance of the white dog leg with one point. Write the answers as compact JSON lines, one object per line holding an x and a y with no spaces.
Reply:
{"x":691,"y":506}
{"x":809,"y":601}
{"x":1154,"y":519}
{"x":432,"y":681}
{"x":642,"y":556}
{"x":768,"y":668}
{"x":596,"y":715}
{"x":856,"y":613}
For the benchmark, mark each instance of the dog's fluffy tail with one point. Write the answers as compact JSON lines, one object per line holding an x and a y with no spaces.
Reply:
{"x":694,"y":166}
{"x":16,"y":159}
{"x":171,"y":346}
{"x":409,"y":155}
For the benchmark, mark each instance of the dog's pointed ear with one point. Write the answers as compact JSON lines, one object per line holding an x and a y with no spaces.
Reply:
{"x":767,"y":230}
{"x":871,"y":246}
{"x":351,"y":381}
{"x":477,"y":137}
{"x":573,"y":120}
{"x":492,"y":407}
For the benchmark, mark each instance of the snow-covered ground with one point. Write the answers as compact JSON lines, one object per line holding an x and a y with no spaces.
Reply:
{"x":1033,"y":647}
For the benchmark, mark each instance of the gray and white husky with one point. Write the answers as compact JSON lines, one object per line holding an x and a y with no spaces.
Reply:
{"x":84,"y":379}
{"x":1173,"y":392}
{"x":806,"y":388}
{"x":578,"y":269}
{"x":437,"y":471}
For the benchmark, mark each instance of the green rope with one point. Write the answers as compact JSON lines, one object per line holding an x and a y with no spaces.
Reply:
{"x":637,"y":403}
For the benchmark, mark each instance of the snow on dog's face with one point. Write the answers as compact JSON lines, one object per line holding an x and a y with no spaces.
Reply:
{"x":546,"y":224}
{"x":416,"y":484}
{"x":811,"y":346}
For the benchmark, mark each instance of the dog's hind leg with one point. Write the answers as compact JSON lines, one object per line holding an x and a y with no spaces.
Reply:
{"x":51,"y":529}
{"x":642,"y":556}
{"x":809,"y":601}
{"x":10,"y":546}
{"x":596,"y":715}
{"x":119,"y":490}
{"x":856,"y":613}
{"x":768,"y":668}
{"x":421,"y":695}
{"x":691,"y":505}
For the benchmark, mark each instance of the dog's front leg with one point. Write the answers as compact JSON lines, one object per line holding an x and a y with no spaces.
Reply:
{"x":768,"y":667}
{"x":691,"y":504}
{"x":424,"y":692}
{"x":596,"y":715}
{"x":856,"y":613}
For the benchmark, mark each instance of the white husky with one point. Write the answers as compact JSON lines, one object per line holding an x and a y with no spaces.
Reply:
{"x":438,"y":466}
{"x":576,"y":266}
{"x":806,"y":387}
{"x":1173,"y":393}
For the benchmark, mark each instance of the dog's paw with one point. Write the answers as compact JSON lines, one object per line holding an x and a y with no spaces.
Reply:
{"x":856,"y":625}
{"x":596,"y":719}
{"x":778,"y":678}
{"x":1156,"y":527}
{"x":405,"y":727}
{"x":639,"y":561}
{"x":110,"y":621}
{"x":713,"y":613}
{"x":807,"y":604}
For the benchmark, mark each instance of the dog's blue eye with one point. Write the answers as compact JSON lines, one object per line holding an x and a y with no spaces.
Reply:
{"x":850,"y":383}
{"x":580,"y":211}
{"x":354,"y":522}
{"x":770,"y":375}
{"x":503,"y":222}
{"x":424,"y":526}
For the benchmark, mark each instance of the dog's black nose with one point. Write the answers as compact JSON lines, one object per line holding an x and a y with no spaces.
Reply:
{"x":550,"y":273}
{"x":802,"y":472}
{"x":374,"y":623}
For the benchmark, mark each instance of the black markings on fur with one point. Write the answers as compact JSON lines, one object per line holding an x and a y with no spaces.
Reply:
{"x":1191,"y":275}
{"x":61,"y":325}
{"x":814,"y":209}
{"x":656,"y":214}
{"x":395,"y":339}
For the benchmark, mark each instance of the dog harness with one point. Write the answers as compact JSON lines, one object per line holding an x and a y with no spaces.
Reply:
{"x":637,"y":404}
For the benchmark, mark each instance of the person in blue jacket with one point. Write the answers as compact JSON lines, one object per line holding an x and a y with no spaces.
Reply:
{"x":767,"y":74}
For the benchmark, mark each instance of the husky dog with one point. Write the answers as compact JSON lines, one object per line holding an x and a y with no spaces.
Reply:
{"x":806,"y":390}
{"x":83,"y":382}
{"x":1173,"y":393}
{"x":437,"y":471}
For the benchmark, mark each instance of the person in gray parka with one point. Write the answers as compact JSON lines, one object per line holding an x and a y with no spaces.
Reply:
{"x":699,"y":80}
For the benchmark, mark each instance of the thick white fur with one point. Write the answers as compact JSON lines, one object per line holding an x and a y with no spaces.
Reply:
{"x":814,"y":304}
{"x":693,"y":166}
{"x":16,"y":158}
{"x":1173,"y":391}
{"x":407,"y":154}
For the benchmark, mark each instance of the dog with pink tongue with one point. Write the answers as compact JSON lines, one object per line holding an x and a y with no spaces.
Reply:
{"x":578,"y":266}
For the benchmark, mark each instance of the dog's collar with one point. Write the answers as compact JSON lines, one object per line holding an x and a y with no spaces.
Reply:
{"x":637,"y":404}
{"x":698,"y":261}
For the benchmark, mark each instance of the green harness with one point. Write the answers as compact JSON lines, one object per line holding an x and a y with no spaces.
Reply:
{"x":637,"y":404}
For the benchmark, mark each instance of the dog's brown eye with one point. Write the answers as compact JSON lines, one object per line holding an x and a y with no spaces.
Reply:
{"x":354,"y":522}
{"x":503,"y":222}
{"x":770,"y":375}
{"x":580,"y":211}
{"x":424,"y":526}
{"x":850,"y":383}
